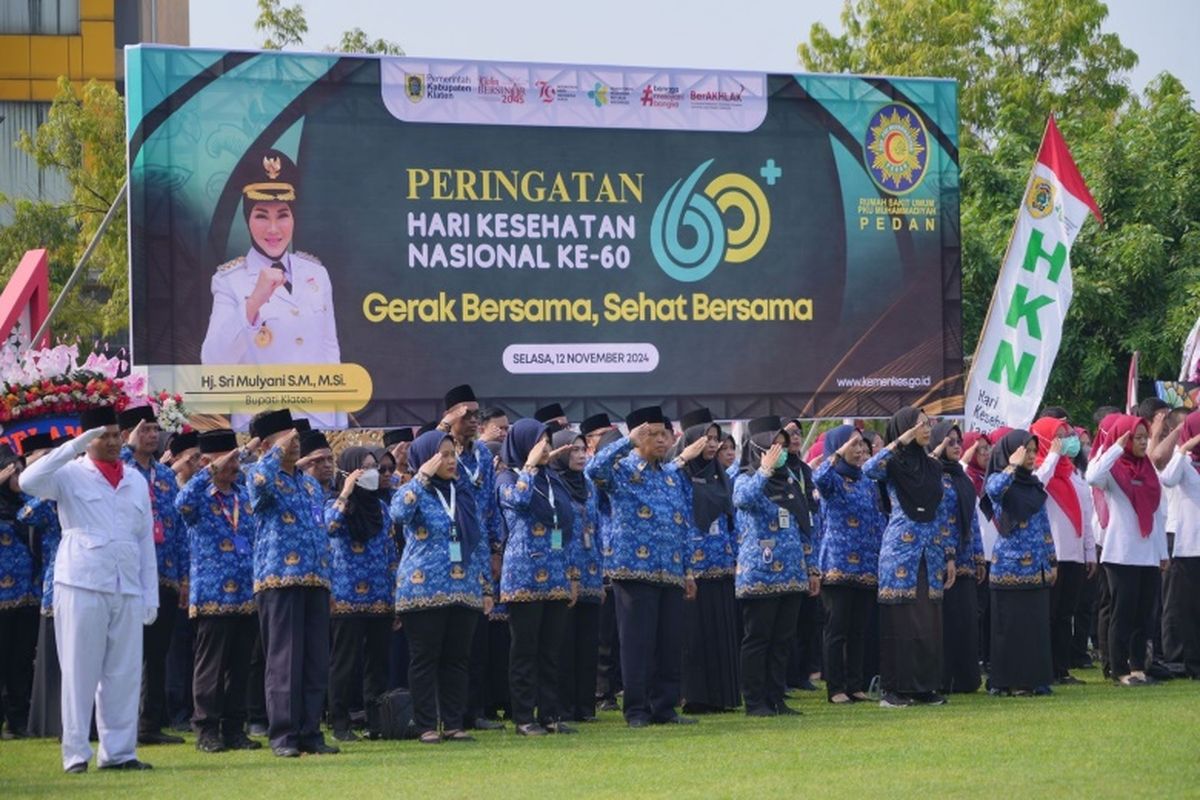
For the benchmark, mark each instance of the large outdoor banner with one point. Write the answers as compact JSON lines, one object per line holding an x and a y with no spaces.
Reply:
{"x":351,"y":236}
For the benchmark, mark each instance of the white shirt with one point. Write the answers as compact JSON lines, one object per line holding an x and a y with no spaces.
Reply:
{"x":987,"y":532}
{"x":1184,"y":480}
{"x":1069,"y":545}
{"x":1123,"y":540}
{"x":107,"y":534}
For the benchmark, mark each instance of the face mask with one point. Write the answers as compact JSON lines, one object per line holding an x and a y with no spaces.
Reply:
{"x":783,"y":457}
{"x":1070,"y":446}
{"x":369,"y":480}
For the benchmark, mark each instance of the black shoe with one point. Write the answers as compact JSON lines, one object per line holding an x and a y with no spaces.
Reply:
{"x":78,"y":768}
{"x":256,"y":729}
{"x":609,"y":705}
{"x":345,"y":735}
{"x":893,"y":700}
{"x":805,"y":686}
{"x":320,"y":749}
{"x":638,"y":722}
{"x":678,"y":720}
{"x":760,"y":711}
{"x":485,"y":724}
{"x":286,"y":751}
{"x":131,"y":764}
{"x":531,"y":729}
{"x":931,"y":699}
{"x":585,"y":719}
{"x":784,"y":710}
{"x":158,"y":737}
{"x":560,"y":727}
{"x":240,"y":741}
{"x":209,"y":743}
{"x":1069,"y":680}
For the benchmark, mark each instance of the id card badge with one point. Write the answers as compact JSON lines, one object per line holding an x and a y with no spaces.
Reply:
{"x":768,"y":550}
{"x":785,"y":518}
{"x":160,"y":534}
{"x":715,"y":528}
{"x":456,"y":551}
{"x":587,"y":539}
{"x":241,"y":546}
{"x":556,"y":538}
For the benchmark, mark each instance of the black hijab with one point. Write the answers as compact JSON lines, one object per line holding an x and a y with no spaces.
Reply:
{"x":10,"y":501}
{"x":834,"y":441}
{"x":964,"y":489}
{"x":466,"y":519}
{"x":712,"y":496}
{"x":916,"y":476}
{"x":364,"y":509}
{"x":561,"y":464}
{"x":1025,"y":495}
{"x":781,"y":488}
{"x":522,"y":437}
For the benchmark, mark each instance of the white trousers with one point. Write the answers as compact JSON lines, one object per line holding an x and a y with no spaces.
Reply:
{"x":99,"y":637}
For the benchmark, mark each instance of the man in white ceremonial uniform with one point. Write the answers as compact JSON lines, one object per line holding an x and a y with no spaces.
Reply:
{"x":272,"y":306}
{"x":105,"y":588}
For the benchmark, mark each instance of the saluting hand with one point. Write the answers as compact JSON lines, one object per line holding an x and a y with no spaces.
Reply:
{"x":1056,"y":445}
{"x":638,"y":434}
{"x":770,"y":458}
{"x":911,"y":434}
{"x":845,"y":448}
{"x":1190,"y":444}
{"x":431,"y":465}
{"x":969,"y":456}
{"x":694,"y":449}
{"x":941,"y":448}
{"x":1018,"y":457}
{"x":1123,"y":439}
{"x":348,"y":485}
{"x":539,"y":455}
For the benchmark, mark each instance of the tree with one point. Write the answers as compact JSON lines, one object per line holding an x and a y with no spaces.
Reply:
{"x":282,"y":25}
{"x":356,"y":41}
{"x":1018,"y":61}
{"x":84,"y":137}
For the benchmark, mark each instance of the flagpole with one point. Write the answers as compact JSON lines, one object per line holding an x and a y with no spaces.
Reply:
{"x":1004,"y":260}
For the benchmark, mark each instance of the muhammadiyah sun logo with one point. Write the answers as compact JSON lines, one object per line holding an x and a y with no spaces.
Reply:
{"x":712,"y":240}
{"x":896,"y":150}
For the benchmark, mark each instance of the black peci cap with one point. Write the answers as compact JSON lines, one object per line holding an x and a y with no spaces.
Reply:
{"x":311,"y":442}
{"x":183,"y":441}
{"x":594,"y":423}
{"x":98,"y":417}
{"x":646,"y":414}
{"x":697,"y":416}
{"x":221,"y":440}
{"x":301,"y":425}
{"x":459,"y":394}
{"x":549,"y":412}
{"x":396,"y":436}
{"x":38,"y":441}
{"x":130,"y":417}
{"x":267,"y":423}
{"x":764,"y":425}
{"x":427,"y":427}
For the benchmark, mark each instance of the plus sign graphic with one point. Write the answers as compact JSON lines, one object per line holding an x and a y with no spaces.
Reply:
{"x":771,"y":172}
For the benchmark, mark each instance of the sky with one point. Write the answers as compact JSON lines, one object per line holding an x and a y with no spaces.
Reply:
{"x":759,"y":35}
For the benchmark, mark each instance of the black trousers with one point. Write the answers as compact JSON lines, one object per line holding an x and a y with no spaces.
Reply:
{"x":1172,"y":633}
{"x":222,"y":667}
{"x":769,"y":625}
{"x":537,"y":632}
{"x":1084,"y":624}
{"x":496,"y":700}
{"x":1064,"y":601}
{"x":608,"y":656}
{"x":181,"y":660}
{"x":18,"y":643}
{"x":256,"y":682}
{"x":650,"y":622}
{"x":847,"y":614}
{"x":1103,"y":616}
{"x":477,"y":672}
{"x":359,"y":653}
{"x":439,"y":646}
{"x":577,"y":664}
{"x":1132,"y":589}
{"x":1181,"y":609}
{"x":805,"y":655}
{"x":294,"y":623}
{"x":156,"y":641}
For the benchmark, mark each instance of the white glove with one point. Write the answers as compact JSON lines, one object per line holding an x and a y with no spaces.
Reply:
{"x":149,"y":614}
{"x":84,"y":439}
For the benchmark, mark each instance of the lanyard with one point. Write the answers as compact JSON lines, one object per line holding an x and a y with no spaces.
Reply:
{"x":549,"y":495}
{"x":449,"y":509}
{"x":232,"y":519}
{"x":473,"y":475}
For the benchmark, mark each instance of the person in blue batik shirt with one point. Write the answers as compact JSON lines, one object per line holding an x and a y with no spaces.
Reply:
{"x":18,"y":599}
{"x":599,"y":432}
{"x":41,"y":515}
{"x":773,"y":575}
{"x":1024,"y":568}
{"x":442,"y":585}
{"x":215,"y":507}
{"x":916,"y":562}
{"x":959,"y":526}
{"x":535,"y":582}
{"x":804,"y":662}
{"x":581,"y":636}
{"x":711,"y":682}
{"x":651,"y":527}
{"x":291,"y":587}
{"x":848,"y":558}
{"x":140,"y":426}
{"x":364,"y":583}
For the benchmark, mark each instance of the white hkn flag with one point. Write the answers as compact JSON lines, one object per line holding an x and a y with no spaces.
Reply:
{"x":1023,"y":328}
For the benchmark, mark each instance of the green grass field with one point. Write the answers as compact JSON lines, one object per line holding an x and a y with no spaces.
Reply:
{"x":1086,"y":741}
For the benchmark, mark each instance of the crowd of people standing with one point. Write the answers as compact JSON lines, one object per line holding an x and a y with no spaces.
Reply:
{"x":527,"y":574}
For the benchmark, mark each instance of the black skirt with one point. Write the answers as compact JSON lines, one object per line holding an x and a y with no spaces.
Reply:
{"x":910,"y":642}
{"x":711,"y":678}
{"x":45,"y":708}
{"x":960,"y":636}
{"x":1020,"y":652}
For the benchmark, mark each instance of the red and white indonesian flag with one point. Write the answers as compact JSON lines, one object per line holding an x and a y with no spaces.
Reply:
{"x":1023,"y":329}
